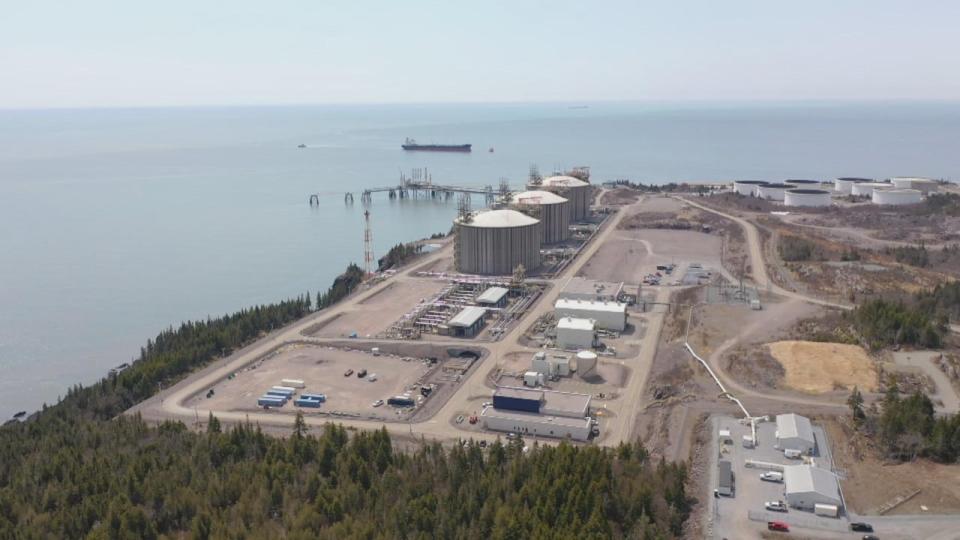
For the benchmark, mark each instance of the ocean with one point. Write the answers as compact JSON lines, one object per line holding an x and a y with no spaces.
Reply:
{"x":115,"y":224}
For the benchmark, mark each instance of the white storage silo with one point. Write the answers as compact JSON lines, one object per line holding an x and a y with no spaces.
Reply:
{"x":772,"y":192}
{"x":897,"y":196}
{"x":747,"y":188}
{"x":845,"y":184}
{"x":865,"y":189}
{"x":553,"y":211}
{"x":925,"y":185}
{"x":575,"y":190}
{"x":806,"y":197}
{"x":495,"y":242}
{"x":800,"y":183}
{"x":585,"y":363}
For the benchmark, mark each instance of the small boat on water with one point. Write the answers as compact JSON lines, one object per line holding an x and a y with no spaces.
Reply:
{"x":411,"y":145}
{"x":301,"y":145}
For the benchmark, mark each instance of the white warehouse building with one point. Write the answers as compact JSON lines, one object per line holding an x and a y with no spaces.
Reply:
{"x":575,"y":333}
{"x":794,"y":432}
{"x":537,"y":425}
{"x":806,"y":486}
{"x":608,"y":315}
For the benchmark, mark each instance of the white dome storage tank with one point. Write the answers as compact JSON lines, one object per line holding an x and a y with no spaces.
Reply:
{"x":806,"y":197}
{"x":865,"y":189}
{"x":747,"y":188}
{"x":585,"y":363}
{"x":845,"y":184}
{"x":772,"y":192}
{"x":575,"y":190}
{"x":554,"y":211}
{"x":925,"y":185}
{"x":495,"y":242}
{"x":897,"y":196}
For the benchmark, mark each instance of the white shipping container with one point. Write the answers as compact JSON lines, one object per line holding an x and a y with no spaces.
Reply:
{"x":829,"y":510}
{"x":295,"y":383}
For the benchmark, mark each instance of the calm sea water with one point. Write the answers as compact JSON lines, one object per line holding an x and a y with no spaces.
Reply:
{"x":117,"y":223}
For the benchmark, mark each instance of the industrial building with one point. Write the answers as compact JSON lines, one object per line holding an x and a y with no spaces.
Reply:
{"x":494,"y":297}
{"x":576,"y":333}
{"x":806,"y":197}
{"x":844,"y":185}
{"x":575,"y":190}
{"x":747,"y":188}
{"x":926,"y":185}
{"x":590,"y":290}
{"x":467,"y":323}
{"x":548,"y":402}
{"x":495,"y":242}
{"x":865,"y":189}
{"x":608,"y":315}
{"x":772,"y":192}
{"x":554,"y":212}
{"x":897,"y":196}
{"x":557,"y":365}
{"x":537,"y":425}
{"x":802,"y":183}
{"x":806,"y":486}
{"x":724,"y":478}
{"x":794,"y":432}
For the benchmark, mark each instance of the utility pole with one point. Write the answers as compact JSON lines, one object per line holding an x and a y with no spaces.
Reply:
{"x":367,"y":244}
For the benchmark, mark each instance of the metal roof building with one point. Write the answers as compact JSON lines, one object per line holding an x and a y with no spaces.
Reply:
{"x":609,"y":315}
{"x":794,"y":432}
{"x":537,"y":425}
{"x":806,"y":486}
{"x":576,"y":334}
{"x":468,"y":322}
{"x":494,"y":296}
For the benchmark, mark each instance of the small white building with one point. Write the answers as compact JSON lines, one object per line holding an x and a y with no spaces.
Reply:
{"x":576,"y":333}
{"x":536,"y":425}
{"x":608,"y":315}
{"x":794,"y":432}
{"x":806,"y":486}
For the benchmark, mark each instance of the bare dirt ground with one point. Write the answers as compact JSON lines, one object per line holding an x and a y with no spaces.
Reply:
{"x":619,"y":196}
{"x":377,"y":313}
{"x":870,"y":483}
{"x":816,"y":368}
{"x":630,"y":255}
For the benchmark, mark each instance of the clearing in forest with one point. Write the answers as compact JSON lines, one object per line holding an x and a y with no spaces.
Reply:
{"x":816,"y":368}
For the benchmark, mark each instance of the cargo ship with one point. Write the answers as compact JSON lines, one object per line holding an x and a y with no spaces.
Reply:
{"x":412,"y":145}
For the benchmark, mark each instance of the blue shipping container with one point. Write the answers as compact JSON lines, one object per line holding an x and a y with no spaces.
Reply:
{"x":280,"y":395}
{"x":280,"y":390}
{"x":510,"y":403}
{"x":270,"y":401}
{"x":319,"y":397}
{"x":312,"y":403}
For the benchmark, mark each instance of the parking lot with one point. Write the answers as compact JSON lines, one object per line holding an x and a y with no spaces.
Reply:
{"x":743,"y":515}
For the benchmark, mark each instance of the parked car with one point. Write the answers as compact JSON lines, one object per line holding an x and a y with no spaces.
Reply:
{"x":859,"y":526}
{"x":772,"y":476}
{"x":372,"y":377}
{"x":348,"y":373}
{"x":775,"y":506}
{"x":778,"y":526}
{"x":378,"y":403}
{"x":361,"y":374}
{"x":870,"y":537}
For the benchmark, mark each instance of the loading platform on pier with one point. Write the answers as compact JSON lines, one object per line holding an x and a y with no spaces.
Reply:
{"x":418,"y":185}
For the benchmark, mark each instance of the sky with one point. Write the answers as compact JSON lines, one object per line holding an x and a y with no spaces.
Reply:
{"x":123,"y":53}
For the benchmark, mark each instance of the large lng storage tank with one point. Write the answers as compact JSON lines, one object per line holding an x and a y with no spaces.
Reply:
{"x":926,"y":185}
{"x":772,"y":192}
{"x":896,"y":196}
{"x":806,"y":197}
{"x":845,"y":184}
{"x":575,"y":190}
{"x":866,"y":189}
{"x":553,"y":211}
{"x":747,"y":188}
{"x":495,"y":242}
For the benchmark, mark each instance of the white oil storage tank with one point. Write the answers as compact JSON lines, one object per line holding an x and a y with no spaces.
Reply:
{"x":553,"y":211}
{"x":747,"y":188}
{"x":897,"y":196}
{"x":575,"y":190}
{"x":495,"y":242}
{"x":772,"y":192}
{"x":865,"y":189}
{"x":845,"y":184}
{"x":806,"y":197}
{"x":585,"y":363}
{"x":801,"y":183}
{"x":925,"y":185}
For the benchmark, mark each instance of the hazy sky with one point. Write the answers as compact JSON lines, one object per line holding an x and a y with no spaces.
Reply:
{"x":188,"y":52}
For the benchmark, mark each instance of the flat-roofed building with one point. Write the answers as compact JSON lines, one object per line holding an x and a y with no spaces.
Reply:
{"x":576,"y":334}
{"x":608,"y":315}
{"x":467,"y":323}
{"x":536,"y":425}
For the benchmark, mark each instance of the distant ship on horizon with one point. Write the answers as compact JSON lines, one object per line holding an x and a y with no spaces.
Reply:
{"x":411,"y":145}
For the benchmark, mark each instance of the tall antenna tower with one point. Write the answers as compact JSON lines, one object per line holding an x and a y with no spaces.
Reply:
{"x":367,"y":244}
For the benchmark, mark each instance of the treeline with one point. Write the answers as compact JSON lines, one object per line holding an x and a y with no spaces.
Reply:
{"x":919,"y":321}
{"x":796,"y":249}
{"x":343,"y":285}
{"x":65,"y":477}
{"x":670,"y":187}
{"x":398,"y":255}
{"x":906,"y":428}
{"x":913,"y":255}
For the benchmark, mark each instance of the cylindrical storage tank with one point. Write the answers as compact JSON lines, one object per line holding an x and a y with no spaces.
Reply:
{"x":747,"y":188}
{"x":845,"y":184}
{"x":495,"y":242}
{"x":772,"y":192}
{"x":897,"y":196}
{"x":585,"y":362}
{"x":925,"y":185}
{"x":553,"y":211}
{"x":806,"y":197}
{"x":865,"y":189}
{"x":803,"y":183}
{"x":575,"y":190}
